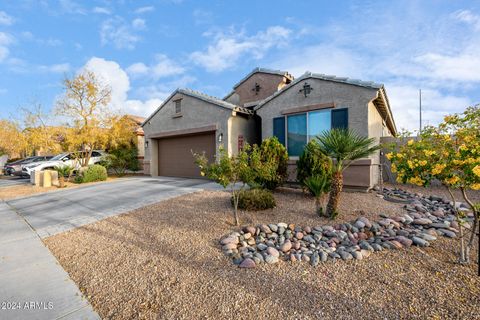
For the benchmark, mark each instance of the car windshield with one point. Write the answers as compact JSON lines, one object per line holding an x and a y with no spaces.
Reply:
{"x":59,"y":156}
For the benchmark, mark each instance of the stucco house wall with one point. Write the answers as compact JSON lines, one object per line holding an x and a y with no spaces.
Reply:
{"x":324,"y":92}
{"x":376,"y":130}
{"x":243,"y":126}
{"x":196,"y":116}
{"x":269,"y":84}
{"x":363,"y":117}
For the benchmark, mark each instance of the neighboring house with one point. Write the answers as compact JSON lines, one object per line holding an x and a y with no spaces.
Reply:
{"x":263,"y":104}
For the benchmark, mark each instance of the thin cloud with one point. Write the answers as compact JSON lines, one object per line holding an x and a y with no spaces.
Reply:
{"x":139,"y":24}
{"x":5,"y":19}
{"x":55,"y":68}
{"x":71,"y":7}
{"x":161,"y":68}
{"x":5,"y":41}
{"x":115,"y":31}
{"x":101,"y":10}
{"x":144,"y":9}
{"x":226,"y":49}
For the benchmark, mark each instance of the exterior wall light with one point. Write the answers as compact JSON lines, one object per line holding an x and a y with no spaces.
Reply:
{"x":146,"y":143}
{"x":220,"y":137}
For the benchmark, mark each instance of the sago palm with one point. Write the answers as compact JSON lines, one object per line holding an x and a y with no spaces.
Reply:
{"x":344,"y":146}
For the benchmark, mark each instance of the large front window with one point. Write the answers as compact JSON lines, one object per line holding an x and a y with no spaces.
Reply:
{"x":295,"y":130}
{"x":296,"y":133}
{"x":305,"y":126}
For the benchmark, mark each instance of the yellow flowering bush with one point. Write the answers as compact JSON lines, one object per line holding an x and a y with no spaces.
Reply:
{"x":449,"y":153}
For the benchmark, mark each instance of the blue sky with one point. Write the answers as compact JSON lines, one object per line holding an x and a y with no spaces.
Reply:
{"x":146,"y":49}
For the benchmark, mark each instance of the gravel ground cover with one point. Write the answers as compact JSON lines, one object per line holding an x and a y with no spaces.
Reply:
{"x":164,"y":262}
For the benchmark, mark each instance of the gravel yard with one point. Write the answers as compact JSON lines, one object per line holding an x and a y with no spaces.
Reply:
{"x":164,"y":261}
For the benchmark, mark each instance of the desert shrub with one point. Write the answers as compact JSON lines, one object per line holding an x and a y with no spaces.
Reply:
{"x":93,"y":173}
{"x":63,"y":172}
{"x":272,"y":151}
{"x":319,"y":186}
{"x":312,"y":162}
{"x":122,"y":159}
{"x":256,"y":199}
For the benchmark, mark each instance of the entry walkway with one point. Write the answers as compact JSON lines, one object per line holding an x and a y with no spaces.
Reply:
{"x":32,"y":283}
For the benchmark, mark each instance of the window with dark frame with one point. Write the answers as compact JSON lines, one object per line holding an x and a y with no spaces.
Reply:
{"x":178,"y":106}
{"x":295,"y":130}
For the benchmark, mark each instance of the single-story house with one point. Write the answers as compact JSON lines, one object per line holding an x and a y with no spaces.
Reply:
{"x":266,"y":103}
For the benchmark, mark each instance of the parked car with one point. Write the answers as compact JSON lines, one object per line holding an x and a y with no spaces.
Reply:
{"x":15,"y":168}
{"x":63,"y":159}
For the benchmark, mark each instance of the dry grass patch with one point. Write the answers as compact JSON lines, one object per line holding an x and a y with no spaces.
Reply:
{"x":164,"y":262}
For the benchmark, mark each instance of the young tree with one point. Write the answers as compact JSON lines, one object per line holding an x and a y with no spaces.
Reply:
{"x":343,"y":146}
{"x":85,"y":105}
{"x":233,"y":172}
{"x":449,"y":153}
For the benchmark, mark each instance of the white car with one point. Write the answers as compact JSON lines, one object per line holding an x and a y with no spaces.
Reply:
{"x":63,"y":159}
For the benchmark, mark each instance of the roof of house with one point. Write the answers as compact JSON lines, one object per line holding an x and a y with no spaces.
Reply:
{"x":138,"y":119}
{"x":202,"y":96}
{"x":381,"y":101}
{"x":259,"y":70}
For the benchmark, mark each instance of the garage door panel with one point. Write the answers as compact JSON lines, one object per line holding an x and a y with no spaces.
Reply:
{"x":175,"y":154}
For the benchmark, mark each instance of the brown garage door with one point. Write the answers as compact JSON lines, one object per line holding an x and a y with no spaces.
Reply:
{"x":175,"y":154}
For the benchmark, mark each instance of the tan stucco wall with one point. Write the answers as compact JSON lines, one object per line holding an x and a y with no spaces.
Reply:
{"x":240,"y":125}
{"x":196,"y":113}
{"x":375,"y":130}
{"x":355,"y":98}
{"x":141,"y":146}
{"x":269,"y":83}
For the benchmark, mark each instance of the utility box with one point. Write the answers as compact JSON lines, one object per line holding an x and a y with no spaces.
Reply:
{"x":54,"y":178}
{"x":35,"y":178}
{"x":46,"y":178}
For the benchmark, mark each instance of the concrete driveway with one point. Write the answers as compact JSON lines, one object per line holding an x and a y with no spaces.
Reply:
{"x":55,"y":212}
{"x":32,"y":283}
{"x":6,"y":181}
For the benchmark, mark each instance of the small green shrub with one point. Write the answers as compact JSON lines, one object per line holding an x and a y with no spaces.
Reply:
{"x":272,"y":151}
{"x":93,"y":173}
{"x":122,"y":159}
{"x":319,"y":186}
{"x":312,"y":162}
{"x":256,"y":199}
{"x":64,"y":171}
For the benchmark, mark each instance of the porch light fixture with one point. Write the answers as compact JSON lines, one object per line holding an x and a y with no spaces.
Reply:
{"x":306,"y":89}
{"x":146,"y":143}
{"x":220,"y":137}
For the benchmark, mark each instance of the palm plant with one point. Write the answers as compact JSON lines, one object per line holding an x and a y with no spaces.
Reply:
{"x":319,"y":186}
{"x":63,"y":171}
{"x":344,"y":146}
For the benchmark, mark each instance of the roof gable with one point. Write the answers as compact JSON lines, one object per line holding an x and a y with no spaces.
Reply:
{"x":381,"y":99}
{"x":263,"y":70}
{"x":201,"y":96}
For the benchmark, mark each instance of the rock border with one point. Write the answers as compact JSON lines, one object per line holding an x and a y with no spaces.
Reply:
{"x":426,"y":219}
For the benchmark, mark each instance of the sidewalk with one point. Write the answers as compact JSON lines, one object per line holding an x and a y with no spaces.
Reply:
{"x":32,"y":283}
